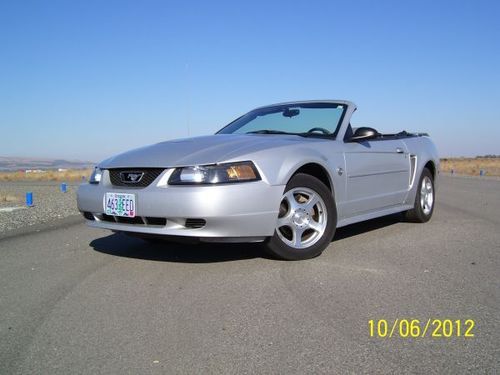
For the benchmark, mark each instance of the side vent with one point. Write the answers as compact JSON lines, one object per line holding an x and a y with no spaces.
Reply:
{"x":161,"y":221}
{"x":413,"y":169}
{"x":195,"y":223}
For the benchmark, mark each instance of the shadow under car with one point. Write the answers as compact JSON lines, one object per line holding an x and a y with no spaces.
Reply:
{"x":123,"y":245}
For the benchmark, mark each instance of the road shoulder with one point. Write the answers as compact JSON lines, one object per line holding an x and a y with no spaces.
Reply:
{"x":47,"y":226}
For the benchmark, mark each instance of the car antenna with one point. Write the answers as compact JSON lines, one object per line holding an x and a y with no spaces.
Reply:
{"x":188,"y":100}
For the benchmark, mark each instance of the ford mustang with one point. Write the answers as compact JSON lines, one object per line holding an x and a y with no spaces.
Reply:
{"x":287,"y":175}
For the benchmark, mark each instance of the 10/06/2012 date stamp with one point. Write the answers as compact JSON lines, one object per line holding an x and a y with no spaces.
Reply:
{"x":415,"y":328}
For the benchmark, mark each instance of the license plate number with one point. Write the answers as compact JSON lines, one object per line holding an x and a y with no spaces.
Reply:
{"x":120,"y":204}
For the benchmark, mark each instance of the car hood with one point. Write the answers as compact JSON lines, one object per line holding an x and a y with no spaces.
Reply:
{"x":200,"y":150}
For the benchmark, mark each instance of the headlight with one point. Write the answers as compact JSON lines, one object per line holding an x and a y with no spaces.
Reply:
{"x":215,"y":174}
{"x":96,"y":175}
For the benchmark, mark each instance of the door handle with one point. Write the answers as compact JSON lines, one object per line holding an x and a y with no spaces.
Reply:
{"x":399,"y":150}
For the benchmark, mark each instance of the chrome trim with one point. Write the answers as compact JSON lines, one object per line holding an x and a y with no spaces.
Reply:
{"x":376,"y":173}
{"x":413,"y":169}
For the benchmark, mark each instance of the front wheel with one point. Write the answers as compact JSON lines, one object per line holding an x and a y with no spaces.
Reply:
{"x":424,"y":199}
{"x":306,"y":221}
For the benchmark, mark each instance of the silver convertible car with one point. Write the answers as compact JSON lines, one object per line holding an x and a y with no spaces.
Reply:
{"x":287,"y":175}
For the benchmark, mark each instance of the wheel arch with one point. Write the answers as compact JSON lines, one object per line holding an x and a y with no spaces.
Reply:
{"x":316,"y":170}
{"x":431,"y":167}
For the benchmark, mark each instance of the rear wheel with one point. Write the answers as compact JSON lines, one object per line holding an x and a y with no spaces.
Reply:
{"x":306,"y":221}
{"x":424,"y":200}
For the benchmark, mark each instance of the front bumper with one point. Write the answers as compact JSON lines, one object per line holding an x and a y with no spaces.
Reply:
{"x":241,"y":210}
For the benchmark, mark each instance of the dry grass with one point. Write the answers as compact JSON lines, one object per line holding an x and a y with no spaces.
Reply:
{"x":71,"y":175}
{"x":471,"y":166}
{"x":9,"y":198}
{"x":464,"y":166}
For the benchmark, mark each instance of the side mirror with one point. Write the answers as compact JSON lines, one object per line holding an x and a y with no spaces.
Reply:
{"x":289,"y":112}
{"x":363,"y":133}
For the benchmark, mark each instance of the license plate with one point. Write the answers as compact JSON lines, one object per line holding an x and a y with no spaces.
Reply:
{"x":120,"y":204}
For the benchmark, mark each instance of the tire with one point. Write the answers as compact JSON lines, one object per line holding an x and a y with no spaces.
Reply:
{"x":425,"y":198}
{"x":306,"y":221}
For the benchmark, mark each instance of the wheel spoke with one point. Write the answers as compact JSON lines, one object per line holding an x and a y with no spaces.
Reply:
{"x":309,"y":205}
{"x":284,"y":221}
{"x":315,"y":226}
{"x":292,"y":202}
{"x":297,"y":236}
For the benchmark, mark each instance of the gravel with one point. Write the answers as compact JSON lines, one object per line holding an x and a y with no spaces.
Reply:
{"x":49,"y":204}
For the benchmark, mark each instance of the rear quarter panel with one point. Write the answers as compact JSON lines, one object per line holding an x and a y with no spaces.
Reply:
{"x":426,"y":152}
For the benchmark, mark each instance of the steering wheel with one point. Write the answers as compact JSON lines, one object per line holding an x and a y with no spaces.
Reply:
{"x":322,"y":130}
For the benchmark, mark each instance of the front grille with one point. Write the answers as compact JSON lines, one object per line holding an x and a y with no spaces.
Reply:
{"x":129,"y":220}
{"x":150,"y":174}
{"x":138,"y":220}
{"x":156,"y":221}
{"x":109,"y":218}
{"x":195,"y":223}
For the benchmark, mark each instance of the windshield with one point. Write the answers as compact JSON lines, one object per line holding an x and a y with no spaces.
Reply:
{"x":305,"y":119}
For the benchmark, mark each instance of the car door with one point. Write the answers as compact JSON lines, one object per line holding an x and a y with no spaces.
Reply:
{"x":377,"y":175}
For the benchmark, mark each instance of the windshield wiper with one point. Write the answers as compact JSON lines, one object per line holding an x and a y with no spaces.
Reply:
{"x":304,"y":134}
{"x":313,"y":135}
{"x":266,"y":131}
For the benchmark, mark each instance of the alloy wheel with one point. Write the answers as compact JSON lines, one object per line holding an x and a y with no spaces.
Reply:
{"x":302,"y":218}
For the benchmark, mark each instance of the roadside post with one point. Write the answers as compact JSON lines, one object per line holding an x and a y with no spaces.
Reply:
{"x":29,"y":199}
{"x":64,"y":187}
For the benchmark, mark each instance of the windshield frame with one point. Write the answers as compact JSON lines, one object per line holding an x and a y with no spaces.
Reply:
{"x":280,"y":107}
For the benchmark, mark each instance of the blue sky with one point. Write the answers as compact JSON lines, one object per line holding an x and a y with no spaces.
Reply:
{"x":87,"y":79}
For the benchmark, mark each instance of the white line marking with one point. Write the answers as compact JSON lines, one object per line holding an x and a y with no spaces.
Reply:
{"x":10,"y":209}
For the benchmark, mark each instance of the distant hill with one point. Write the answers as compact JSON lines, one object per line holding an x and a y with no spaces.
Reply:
{"x":8,"y":163}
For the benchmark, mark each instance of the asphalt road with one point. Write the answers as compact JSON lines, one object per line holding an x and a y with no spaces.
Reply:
{"x":81,"y":300}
